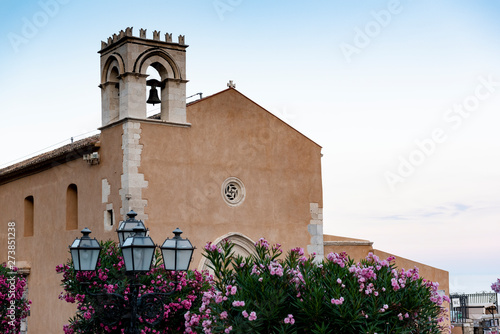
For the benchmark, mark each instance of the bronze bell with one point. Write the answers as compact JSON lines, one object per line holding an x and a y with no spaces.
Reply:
{"x":153,"y":93}
{"x":153,"y":96}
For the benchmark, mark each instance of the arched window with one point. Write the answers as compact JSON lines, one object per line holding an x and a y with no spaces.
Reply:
{"x":153,"y":74}
{"x":243,"y":246}
{"x":72,"y":207}
{"x":114,"y":95}
{"x":29,"y":216}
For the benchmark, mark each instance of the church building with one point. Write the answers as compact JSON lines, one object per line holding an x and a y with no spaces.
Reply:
{"x":221,"y":167}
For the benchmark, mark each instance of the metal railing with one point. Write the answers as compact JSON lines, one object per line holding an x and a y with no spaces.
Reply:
{"x":459,"y":312}
{"x":460,"y":304}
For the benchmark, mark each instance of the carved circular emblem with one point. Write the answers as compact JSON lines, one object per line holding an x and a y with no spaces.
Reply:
{"x":233,"y":191}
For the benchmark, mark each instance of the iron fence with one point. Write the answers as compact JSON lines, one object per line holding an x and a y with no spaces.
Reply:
{"x":460,"y":304}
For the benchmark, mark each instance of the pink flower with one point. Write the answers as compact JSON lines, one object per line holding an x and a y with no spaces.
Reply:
{"x":245,"y":314}
{"x":496,"y":286}
{"x":337,"y":301}
{"x":298,"y":250}
{"x":237,"y":303}
{"x":289,"y":320}
{"x":253,"y":316}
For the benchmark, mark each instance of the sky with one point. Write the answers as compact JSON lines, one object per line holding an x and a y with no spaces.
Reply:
{"x":403,"y":96}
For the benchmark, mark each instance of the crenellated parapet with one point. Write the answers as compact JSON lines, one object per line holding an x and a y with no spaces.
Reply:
{"x":142,"y":35}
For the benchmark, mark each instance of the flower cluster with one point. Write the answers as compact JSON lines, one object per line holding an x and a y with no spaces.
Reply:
{"x":496,"y":286}
{"x":14,"y":306}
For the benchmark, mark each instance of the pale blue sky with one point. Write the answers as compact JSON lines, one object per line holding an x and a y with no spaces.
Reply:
{"x":367,"y":109}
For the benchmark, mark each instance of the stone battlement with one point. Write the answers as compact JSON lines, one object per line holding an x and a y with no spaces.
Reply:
{"x":142,"y":34}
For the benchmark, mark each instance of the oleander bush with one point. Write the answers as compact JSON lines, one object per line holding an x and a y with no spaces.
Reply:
{"x":264,"y":293}
{"x":14,"y":307}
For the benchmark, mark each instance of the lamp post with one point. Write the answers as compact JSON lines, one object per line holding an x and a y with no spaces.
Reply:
{"x":138,"y":251}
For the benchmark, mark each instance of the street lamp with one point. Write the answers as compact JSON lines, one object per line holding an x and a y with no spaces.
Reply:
{"x":85,"y":252}
{"x":126,"y":228}
{"x":138,"y":251}
{"x":177,"y":252}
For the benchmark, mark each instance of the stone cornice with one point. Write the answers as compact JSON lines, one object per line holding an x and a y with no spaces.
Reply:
{"x":348,"y":243}
{"x":146,"y":120}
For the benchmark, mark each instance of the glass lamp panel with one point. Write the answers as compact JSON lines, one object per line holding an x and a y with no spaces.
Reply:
{"x":94,"y":257}
{"x":169,"y":243}
{"x":86,"y":259}
{"x":127,"y":258}
{"x":127,"y":254}
{"x":89,"y":254}
{"x":183,"y":259}
{"x":168,"y":253}
{"x":168,"y":258}
{"x":89,"y":243}
{"x":74,"y":256}
{"x":142,"y":258}
{"x":138,"y":253}
{"x":184,"y":243}
{"x":185,"y":250}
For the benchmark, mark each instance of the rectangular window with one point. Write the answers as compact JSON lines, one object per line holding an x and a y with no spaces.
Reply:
{"x":109,"y":217}
{"x":72,"y":207}
{"x":29,"y":216}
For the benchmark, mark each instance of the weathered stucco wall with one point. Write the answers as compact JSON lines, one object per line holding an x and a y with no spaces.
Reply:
{"x":48,"y":246}
{"x":230,"y":136}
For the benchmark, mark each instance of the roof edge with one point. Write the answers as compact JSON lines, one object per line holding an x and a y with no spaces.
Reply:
{"x":49,"y":159}
{"x":252,"y":101}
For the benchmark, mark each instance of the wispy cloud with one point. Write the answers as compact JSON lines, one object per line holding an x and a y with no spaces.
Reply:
{"x":446,"y":210}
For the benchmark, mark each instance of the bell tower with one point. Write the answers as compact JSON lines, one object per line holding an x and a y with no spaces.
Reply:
{"x":124,"y":62}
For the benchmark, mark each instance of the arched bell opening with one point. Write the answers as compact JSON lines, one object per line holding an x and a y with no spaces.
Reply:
{"x":173,"y":84}
{"x":153,"y":91}
{"x":114,"y":94}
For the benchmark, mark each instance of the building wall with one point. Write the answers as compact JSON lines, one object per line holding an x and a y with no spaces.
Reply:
{"x":48,"y":246}
{"x":230,"y":136}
